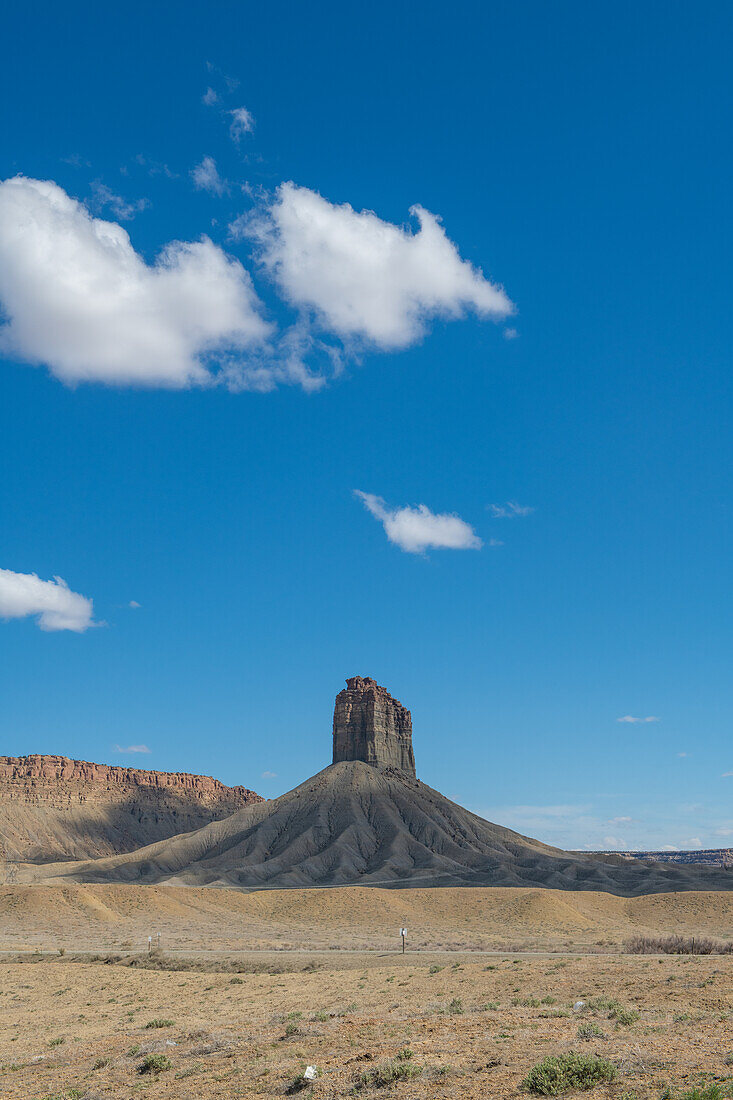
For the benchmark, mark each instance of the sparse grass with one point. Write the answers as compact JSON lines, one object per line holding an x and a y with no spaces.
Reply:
{"x":320,"y":1016}
{"x":155,"y":1064}
{"x":455,"y":1007}
{"x":703,"y":1092}
{"x":387,"y":1074}
{"x":56,"y":1042}
{"x":101,"y":1063}
{"x":159,"y":1023}
{"x":559,"y":1073}
{"x":291,"y":1029}
{"x":491,"y":1006}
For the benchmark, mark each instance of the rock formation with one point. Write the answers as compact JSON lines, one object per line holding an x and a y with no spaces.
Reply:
{"x":369,"y":725}
{"x":52,"y":807}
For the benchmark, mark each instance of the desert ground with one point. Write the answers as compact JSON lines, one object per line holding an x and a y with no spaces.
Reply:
{"x":249,"y":989}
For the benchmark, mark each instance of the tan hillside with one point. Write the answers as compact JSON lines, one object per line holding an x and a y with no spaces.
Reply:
{"x":198,"y":920}
{"x":54,"y":808}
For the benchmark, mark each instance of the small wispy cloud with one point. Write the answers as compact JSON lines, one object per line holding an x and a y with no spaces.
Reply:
{"x":128,"y":749}
{"x":206,"y":177}
{"x":269,"y":775}
{"x":416,"y":529}
{"x":630,"y":718}
{"x":510,"y":510}
{"x":682,"y":754}
{"x":153,"y":167}
{"x":133,"y":603}
{"x":210,"y":97}
{"x":103,"y":197}
{"x":242,"y":123}
{"x":726,"y":775}
{"x":620,"y":821}
{"x":231,"y":82}
{"x":510,"y":334}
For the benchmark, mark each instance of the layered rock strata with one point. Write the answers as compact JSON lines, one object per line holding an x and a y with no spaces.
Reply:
{"x":369,"y":725}
{"x":53,"y":808}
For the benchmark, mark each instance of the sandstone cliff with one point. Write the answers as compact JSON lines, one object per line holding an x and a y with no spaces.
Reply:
{"x":369,"y":725}
{"x":54,"y":808}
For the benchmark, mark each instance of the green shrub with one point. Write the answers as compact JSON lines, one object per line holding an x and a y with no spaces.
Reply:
{"x":155,"y":1063}
{"x":159,"y":1023}
{"x":291,"y":1029}
{"x":590,"y":1031}
{"x":491,"y":1006}
{"x":404,"y":1055}
{"x":616,"y":1011}
{"x":625,"y":1016}
{"x":56,"y":1042}
{"x":707,"y":1092}
{"x":388,"y":1073}
{"x":101,"y":1063}
{"x":556,"y":1074}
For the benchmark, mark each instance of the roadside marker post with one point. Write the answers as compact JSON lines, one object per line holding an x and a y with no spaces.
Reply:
{"x":150,"y":944}
{"x":403,"y":933}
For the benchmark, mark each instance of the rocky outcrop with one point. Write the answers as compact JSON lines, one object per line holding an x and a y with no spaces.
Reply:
{"x":54,"y":808}
{"x":369,"y":725}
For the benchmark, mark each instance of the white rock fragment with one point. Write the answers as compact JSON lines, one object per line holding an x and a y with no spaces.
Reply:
{"x":310,"y":1073}
{"x":578,"y":1006}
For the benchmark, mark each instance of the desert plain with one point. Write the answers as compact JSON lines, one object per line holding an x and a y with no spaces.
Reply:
{"x":248,"y":989}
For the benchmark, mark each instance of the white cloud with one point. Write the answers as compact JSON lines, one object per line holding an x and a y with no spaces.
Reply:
{"x":620,"y":821}
{"x":210,"y":97}
{"x":726,"y":775}
{"x":269,"y":775}
{"x":121,"y":208}
{"x":631,"y":719}
{"x":131,"y":748}
{"x":682,"y":754}
{"x":510,"y":510}
{"x":206,"y":177}
{"x":510,"y":334}
{"x":57,"y":607}
{"x":78,"y":298}
{"x":366,"y":279}
{"x":242,"y":123}
{"x":133,"y":603}
{"x":416,"y":529}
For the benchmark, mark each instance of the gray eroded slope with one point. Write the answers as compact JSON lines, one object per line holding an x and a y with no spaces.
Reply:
{"x":357,"y":824}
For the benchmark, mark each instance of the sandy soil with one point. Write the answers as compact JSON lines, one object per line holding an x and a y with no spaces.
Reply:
{"x":475,"y":1026}
{"x":122,"y":917}
{"x":251,"y":988}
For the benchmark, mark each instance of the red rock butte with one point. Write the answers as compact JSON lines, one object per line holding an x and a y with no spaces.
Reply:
{"x":370,"y":725}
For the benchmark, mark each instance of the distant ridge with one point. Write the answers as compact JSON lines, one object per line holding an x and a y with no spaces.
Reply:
{"x":54,"y":808}
{"x":370,"y":821}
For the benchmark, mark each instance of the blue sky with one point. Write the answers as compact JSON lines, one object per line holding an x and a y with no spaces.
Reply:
{"x":189,"y":433}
